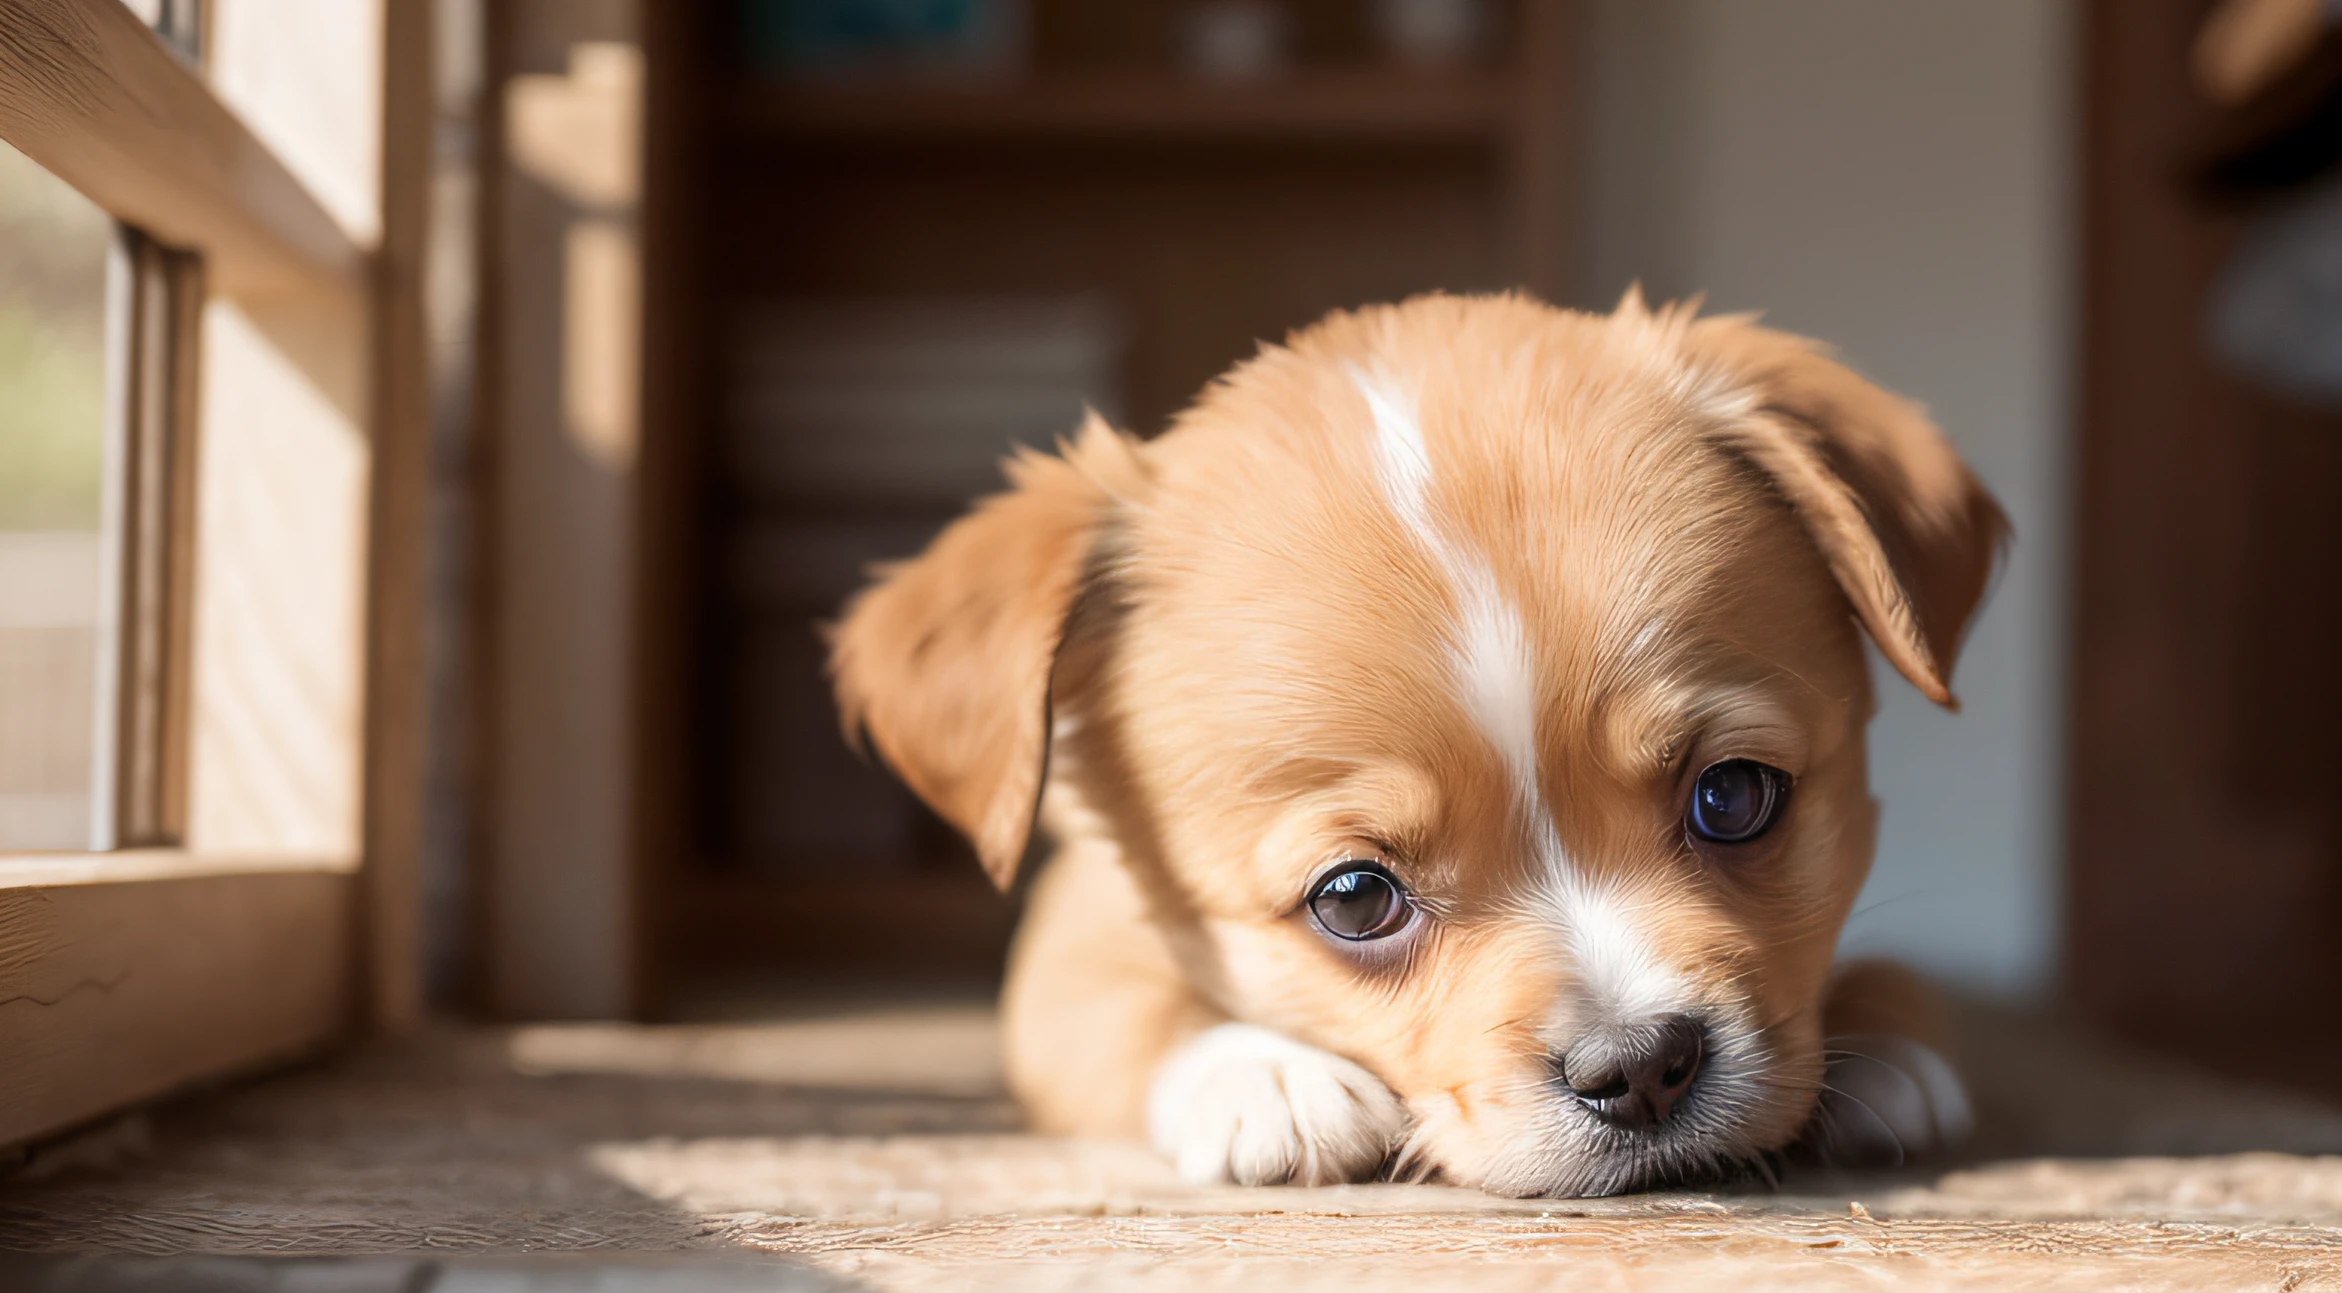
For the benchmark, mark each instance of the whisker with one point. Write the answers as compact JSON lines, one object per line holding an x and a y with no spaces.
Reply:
{"x":1901,"y":1155}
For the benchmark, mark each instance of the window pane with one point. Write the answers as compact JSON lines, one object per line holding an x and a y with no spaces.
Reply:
{"x":178,"y":22}
{"x":53,"y":252}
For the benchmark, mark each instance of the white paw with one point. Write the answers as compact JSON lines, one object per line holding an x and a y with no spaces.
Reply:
{"x":1243,"y":1104}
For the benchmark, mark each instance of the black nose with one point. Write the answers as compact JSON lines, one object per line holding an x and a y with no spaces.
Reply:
{"x":1637,"y":1075}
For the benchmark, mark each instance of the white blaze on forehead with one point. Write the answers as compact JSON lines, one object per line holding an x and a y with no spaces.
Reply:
{"x":1399,"y":456}
{"x":1496,"y":681}
{"x":1490,"y":647}
{"x":1499,"y":682}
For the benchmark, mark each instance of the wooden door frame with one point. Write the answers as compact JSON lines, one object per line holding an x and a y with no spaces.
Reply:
{"x":2202,"y":899}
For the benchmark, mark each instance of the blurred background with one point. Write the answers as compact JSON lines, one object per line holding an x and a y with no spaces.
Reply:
{"x":730,"y":298}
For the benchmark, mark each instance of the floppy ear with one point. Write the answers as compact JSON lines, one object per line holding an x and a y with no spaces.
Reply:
{"x":946,"y":661}
{"x":1907,"y":530}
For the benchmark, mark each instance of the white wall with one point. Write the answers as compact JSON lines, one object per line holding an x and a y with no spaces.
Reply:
{"x":1891,"y":176}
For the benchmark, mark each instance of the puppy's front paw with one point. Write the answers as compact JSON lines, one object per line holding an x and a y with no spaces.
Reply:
{"x":1889,"y":1094}
{"x":1888,"y":1100}
{"x":1244,"y":1104}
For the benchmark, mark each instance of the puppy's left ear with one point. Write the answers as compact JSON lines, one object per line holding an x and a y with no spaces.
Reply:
{"x":1908,"y":532}
{"x":946,"y":662}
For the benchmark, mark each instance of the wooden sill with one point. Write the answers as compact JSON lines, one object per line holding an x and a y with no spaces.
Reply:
{"x":126,"y":975}
{"x":43,"y":870}
{"x":1375,"y":106}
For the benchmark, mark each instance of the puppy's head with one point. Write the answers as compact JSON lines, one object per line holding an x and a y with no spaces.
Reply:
{"x":1476,"y":689}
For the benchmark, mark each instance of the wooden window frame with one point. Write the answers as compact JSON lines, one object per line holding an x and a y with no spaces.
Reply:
{"x":275,"y":910}
{"x":155,"y":298}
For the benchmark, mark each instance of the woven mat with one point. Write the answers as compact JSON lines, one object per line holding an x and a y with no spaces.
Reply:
{"x":871,"y":1146}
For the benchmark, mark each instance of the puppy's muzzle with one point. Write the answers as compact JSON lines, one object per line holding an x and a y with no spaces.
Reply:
{"x":1636,"y":1075}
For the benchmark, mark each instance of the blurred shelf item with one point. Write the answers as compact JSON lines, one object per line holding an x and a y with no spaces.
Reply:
{"x":2246,"y":46}
{"x":909,"y":401}
{"x":884,"y":38}
{"x":854,"y":427}
{"x":1466,"y":105}
{"x":1431,"y":33}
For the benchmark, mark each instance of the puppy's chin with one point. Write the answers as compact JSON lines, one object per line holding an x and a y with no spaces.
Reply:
{"x":1535,"y":1139}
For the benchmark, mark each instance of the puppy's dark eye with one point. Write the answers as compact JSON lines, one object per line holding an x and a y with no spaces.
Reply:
{"x":1737,"y":800}
{"x":1360,"y":901}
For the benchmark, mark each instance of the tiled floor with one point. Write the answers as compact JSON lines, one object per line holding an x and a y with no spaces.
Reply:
{"x":870,"y":1146}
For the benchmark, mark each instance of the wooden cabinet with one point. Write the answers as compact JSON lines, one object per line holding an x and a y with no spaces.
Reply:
{"x":1187,"y":218}
{"x":2204,"y":900}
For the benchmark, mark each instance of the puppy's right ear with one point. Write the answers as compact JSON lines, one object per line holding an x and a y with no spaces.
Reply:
{"x":946,"y":661}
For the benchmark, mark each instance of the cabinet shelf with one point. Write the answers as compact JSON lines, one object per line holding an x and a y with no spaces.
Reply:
{"x":1378,"y":106}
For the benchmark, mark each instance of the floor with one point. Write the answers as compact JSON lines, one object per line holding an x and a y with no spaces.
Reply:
{"x":866,"y":1144}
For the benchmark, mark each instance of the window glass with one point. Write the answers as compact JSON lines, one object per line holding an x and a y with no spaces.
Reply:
{"x":178,"y":22}
{"x":53,"y":253}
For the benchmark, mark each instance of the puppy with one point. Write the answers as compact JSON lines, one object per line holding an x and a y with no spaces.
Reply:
{"x":1447,"y":739}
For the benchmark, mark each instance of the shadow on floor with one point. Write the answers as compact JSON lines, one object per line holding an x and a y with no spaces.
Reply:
{"x":200,"y":1274}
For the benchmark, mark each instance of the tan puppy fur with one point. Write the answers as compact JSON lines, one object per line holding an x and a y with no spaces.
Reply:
{"x":1471,"y":589}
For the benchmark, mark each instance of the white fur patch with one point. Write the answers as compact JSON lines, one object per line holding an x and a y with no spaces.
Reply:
{"x":1401,"y":461}
{"x":1496,"y":680}
{"x":1489,"y":650}
{"x":1645,"y":636}
{"x":1244,"y":1104}
{"x":1620,"y":970}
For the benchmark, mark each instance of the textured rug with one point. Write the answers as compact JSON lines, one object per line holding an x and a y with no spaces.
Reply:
{"x":869,"y":1145}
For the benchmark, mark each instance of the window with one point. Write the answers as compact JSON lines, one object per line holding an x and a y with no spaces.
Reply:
{"x":209,"y":436}
{"x":96,"y":333}
{"x":178,"y":22}
{"x":54,"y":248}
